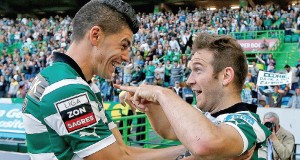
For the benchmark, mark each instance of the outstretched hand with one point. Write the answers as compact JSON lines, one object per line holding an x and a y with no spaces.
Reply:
{"x":138,"y":97}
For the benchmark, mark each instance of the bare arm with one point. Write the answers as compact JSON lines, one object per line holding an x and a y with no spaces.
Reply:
{"x":159,"y":122}
{"x":193,"y":129}
{"x":155,"y":114}
{"x":197,"y":133}
{"x":119,"y":151}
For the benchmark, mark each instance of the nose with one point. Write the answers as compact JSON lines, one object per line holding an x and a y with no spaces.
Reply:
{"x":125,"y":56}
{"x":191,"y":80}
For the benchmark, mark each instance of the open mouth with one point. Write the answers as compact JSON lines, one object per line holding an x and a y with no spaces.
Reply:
{"x":197,"y":92}
{"x":115,"y":64}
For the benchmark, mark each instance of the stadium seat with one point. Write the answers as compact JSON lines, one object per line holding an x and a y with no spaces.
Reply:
{"x":295,"y":38}
{"x":287,"y":38}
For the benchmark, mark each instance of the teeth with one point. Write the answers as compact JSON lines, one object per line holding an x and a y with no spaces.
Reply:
{"x":198,"y":92}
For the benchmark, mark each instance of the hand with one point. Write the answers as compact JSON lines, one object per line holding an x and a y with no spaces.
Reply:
{"x":143,"y":95}
{"x":125,"y":97}
{"x":245,"y":156}
{"x":273,"y":136}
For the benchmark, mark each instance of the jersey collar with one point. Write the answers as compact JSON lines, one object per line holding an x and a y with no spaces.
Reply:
{"x":60,"y":57}
{"x":237,"y":108}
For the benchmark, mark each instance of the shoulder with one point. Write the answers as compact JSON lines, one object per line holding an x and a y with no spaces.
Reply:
{"x":285,"y":132}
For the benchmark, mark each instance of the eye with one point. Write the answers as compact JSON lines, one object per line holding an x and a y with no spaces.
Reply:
{"x":196,"y":69}
{"x":124,"y":47}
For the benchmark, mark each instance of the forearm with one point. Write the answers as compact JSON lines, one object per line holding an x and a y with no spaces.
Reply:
{"x":134,"y":153}
{"x":171,"y":153}
{"x":284,"y":150}
{"x":159,"y":122}
{"x":192,"y":128}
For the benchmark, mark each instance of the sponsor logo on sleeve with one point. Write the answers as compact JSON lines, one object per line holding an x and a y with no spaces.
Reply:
{"x":235,"y":117}
{"x":76,"y":112}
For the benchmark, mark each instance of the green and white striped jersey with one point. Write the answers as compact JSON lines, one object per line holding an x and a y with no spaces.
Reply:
{"x":63,"y":116}
{"x":250,"y":128}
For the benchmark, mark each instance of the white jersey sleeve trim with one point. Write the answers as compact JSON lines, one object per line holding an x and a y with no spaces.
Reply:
{"x":111,"y":125}
{"x":245,"y":140}
{"x":260,"y":134}
{"x":57,"y":124}
{"x":96,"y":147}
{"x":43,"y":156}
{"x":94,"y":88}
{"x":62,"y":83}
{"x":262,"y":153}
{"x":33,"y":125}
{"x":96,"y":110}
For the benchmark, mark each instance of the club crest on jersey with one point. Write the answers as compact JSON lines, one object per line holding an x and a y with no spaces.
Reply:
{"x":76,"y":112}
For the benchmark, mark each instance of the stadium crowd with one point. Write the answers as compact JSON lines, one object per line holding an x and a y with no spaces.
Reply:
{"x":159,"y":53}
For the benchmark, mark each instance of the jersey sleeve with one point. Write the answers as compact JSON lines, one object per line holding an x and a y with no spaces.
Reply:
{"x":75,"y":114}
{"x":249,"y":127}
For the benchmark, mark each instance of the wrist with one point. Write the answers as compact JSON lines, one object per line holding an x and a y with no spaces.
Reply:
{"x":159,"y":93}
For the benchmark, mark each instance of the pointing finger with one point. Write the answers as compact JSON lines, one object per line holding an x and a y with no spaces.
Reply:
{"x":126,"y":88}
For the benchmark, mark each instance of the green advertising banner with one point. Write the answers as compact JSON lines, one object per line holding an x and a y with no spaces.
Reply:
{"x":11,"y":123}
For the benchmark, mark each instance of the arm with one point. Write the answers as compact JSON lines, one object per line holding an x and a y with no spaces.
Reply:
{"x":289,"y":105}
{"x":193,"y":129}
{"x":159,"y":121}
{"x":155,"y":114}
{"x":119,"y":150}
{"x":196,"y":132}
{"x":259,"y":59}
{"x":285,"y":149}
{"x":262,"y":92}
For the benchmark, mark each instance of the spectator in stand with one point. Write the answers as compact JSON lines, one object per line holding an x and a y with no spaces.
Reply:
{"x":160,"y":70}
{"x":149,"y":71}
{"x":288,"y":26}
{"x":35,"y":69}
{"x":174,"y":44}
{"x":295,"y":78}
{"x":168,"y":67}
{"x":27,"y":70}
{"x":254,"y":72}
{"x":264,"y":46}
{"x":13,"y":88}
{"x":271,"y":62}
{"x":127,"y":77}
{"x":294,"y":101}
{"x":187,"y":93}
{"x":268,"y":23}
{"x":176,"y":73}
{"x":246,"y":93}
{"x":177,"y":89}
{"x":3,"y":87}
{"x":282,"y":25}
{"x":158,"y":80}
{"x":281,"y":142}
{"x":137,"y":76}
{"x":106,"y":88}
{"x":275,"y":97}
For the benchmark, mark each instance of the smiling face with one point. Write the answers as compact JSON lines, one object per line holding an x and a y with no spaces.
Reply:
{"x":112,"y":51}
{"x":203,"y":81}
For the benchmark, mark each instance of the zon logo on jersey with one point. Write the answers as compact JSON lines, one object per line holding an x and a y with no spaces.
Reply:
{"x":76,"y":112}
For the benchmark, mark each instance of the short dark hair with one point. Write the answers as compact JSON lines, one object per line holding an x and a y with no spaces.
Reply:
{"x":110,"y":15}
{"x":227,"y":52}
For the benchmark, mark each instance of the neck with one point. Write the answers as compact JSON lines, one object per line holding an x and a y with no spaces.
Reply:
{"x":75,"y":51}
{"x":227,"y":101}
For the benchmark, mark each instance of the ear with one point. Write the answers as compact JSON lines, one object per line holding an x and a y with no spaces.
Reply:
{"x":228,"y":75}
{"x":96,"y":35}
